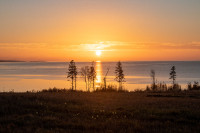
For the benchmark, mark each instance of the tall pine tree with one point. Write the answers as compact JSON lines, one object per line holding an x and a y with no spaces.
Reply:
{"x":72,"y":73}
{"x":173,"y":75}
{"x":119,"y":74}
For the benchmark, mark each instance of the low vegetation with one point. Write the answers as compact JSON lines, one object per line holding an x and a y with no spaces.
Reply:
{"x":56,"y":110}
{"x":194,"y":86}
{"x":162,"y":87}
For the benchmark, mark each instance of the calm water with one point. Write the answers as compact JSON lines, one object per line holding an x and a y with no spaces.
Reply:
{"x":23,"y":76}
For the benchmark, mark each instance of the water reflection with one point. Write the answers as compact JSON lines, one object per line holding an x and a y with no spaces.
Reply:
{"x":99,"y":73}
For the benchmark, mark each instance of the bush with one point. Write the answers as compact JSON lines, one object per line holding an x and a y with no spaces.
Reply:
{"x":194,"y":86}
{"x":157,"y":87}
{"x":175,"y":87}
{"x":161,"y":87}
{"x":109,"y":88}
{"x":55,"y":90}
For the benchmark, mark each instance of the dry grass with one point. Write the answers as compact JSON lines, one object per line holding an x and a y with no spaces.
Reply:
{"x":100,"y":112}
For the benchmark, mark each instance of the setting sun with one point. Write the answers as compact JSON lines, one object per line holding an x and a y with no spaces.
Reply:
{"x":98,"y":53}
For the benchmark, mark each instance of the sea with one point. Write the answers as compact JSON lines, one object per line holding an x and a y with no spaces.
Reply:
{"x":35,"y":76}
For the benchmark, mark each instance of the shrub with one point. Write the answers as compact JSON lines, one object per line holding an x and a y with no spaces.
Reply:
{"x":194,"y":86}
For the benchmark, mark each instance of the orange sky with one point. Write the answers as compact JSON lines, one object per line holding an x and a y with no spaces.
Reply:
{"x":139,"y":30}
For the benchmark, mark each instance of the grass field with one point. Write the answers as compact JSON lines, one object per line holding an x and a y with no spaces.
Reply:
{"x":100,"y":112}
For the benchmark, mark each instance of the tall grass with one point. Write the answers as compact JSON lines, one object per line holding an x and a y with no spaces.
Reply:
{"x":100,"y":112}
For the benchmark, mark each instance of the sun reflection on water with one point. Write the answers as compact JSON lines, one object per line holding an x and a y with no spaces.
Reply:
{"x":99,"y":73}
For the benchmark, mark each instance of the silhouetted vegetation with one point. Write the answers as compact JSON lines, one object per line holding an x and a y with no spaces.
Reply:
{"x":119,"y":74}
{"x":104,"y":79}
{"x":109,"y":88}
{"x":175,"y":87}
{"x":52,"y":90}
{"x":72,"y":73}
{"x":194,"y":86}
{"x":92,"y":75}
{"x":85,"y":74}
{"x":158,"y":87}
{"x":100,"y":112}
{"x":153,"y":74}
{"x":89,"y":74}
{"x":161,"y":87}
{"x":173,"y":77}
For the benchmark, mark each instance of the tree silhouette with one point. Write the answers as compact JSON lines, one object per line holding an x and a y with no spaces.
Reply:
{"x":119,"y":74}
{"x":75,"y":73}
{"x":194,"y":86}
{"x":173,"y":75}
{"x":93,"y":75}
{"x":84,"y":73}
{"x":72,"y":73}
{"x":104,"y":79}
{"x":153,"y":74}
{"x":89,"y":74}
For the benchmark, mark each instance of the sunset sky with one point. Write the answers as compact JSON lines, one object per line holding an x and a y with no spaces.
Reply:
{"x":126,"y":30}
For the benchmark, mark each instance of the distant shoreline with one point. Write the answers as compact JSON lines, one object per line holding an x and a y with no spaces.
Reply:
{"x":19,"y":61}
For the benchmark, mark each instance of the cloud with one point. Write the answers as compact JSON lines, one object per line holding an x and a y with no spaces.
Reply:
{"x":22,"y":44}
{"x":33,"y":45}
{"x":105,"y":46}
{"x":190,"y":45}
{"x":157,"y":45}
{"x":130,"y":46}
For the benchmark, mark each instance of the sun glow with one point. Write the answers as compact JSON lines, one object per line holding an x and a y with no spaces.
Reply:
{"x":98,"y":52}
{"x":99,"y":73}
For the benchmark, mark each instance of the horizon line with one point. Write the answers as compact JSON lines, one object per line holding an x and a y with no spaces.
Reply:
{"x":106,"y":61}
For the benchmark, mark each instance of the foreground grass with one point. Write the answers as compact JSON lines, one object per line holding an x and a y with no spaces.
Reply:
{"x":100,"y":112}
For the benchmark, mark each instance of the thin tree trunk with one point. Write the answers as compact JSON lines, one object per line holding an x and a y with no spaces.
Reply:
{"x":173,"y":84}
{"x":93,"y":85}
{"x":75,"y":82}
{"x":86,"y":83}
{"x":72,"y":83}
{"x":119,"y":86}
{"x":154,"y":83}
{"x":105,"y":83}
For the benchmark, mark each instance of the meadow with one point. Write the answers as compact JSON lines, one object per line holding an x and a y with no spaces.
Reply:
{"x":68,"y":111}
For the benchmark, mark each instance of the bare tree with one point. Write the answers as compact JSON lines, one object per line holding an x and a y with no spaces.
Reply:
{"x":84,"y":73}
{"x":105,"y":78}
{"x":119,"y":74}
{"x":72,"y":73}
{"x":89,"y":74}
{"x":153,"y":74}
{"x":93,"y":75}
